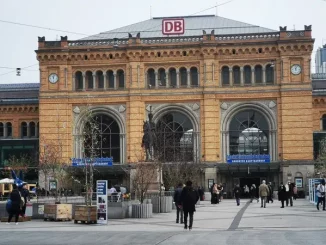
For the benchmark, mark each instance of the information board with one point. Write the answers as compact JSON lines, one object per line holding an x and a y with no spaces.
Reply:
{"x":102,"y":201}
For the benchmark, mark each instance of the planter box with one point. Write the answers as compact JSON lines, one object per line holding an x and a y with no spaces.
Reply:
{"x":166,"y":204}
{"x":142,"y":210}
{"x":58,"y":212}
{"x":85,"y":214}
{"x":120,"y":210}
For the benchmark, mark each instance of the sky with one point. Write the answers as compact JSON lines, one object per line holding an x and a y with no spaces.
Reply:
{"x":18,"y":43}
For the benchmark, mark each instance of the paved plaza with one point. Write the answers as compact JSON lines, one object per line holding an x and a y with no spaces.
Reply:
{"x":224,"y":223}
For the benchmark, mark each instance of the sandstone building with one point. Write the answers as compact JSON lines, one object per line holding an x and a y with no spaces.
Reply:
{"x":239,"y":95}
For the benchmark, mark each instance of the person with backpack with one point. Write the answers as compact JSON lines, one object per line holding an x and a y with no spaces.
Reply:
{"x":16,"y":204}
{"x":188,"y":199}
{"x":321,"y":194}
{"x":177,"y":195}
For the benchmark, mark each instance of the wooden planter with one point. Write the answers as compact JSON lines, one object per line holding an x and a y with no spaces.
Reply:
{"x":58,"y":212}
{"x":85,"y":214}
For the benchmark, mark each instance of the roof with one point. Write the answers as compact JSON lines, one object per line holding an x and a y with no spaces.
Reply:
{"x":194,"y":26}
{"x":20,"y":93}
{"x":19,"y":86}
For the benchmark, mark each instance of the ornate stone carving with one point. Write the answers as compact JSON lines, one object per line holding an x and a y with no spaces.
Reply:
{"x":271,"y":104}
{"x":122,"y":108}
{"x":76,"y":110}
{"x":195,"y":107}
{"x":224,"y":106}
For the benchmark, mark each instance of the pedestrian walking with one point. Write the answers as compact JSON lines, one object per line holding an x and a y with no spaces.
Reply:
{"x":211,"y":191}
{"x":263,"y":193}
{"x":295,"y":192}
{"x":289,"y":193}
{"x":253,"y":192}
{"x":271,"y":191}
{"x":282,"y":194}
{"x":321,"y":194}
{"x":215,"y":195}
{"x":220,"y":191}
{"x":188,"y":199}
{"x":25,"y":195}
{"x":16,"y":204}
{"x":237,"y":194}
{"x":176,"y":197}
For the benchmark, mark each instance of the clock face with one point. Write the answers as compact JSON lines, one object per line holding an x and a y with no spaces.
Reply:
{"x":53,"y":78}
{"x":296,"y":69}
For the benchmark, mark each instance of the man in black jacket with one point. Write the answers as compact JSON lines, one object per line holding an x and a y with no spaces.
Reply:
{"x":189,"y":198}
{"x":25,"y":194}
{"x":177,"y":195}
{"x":14,"y":210}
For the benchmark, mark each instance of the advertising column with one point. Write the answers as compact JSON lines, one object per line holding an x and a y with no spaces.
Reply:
{"x":102,"y":201}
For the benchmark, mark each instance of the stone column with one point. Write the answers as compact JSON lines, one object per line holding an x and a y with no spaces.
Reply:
{"x":167,"y":82}
{"x":241,"y":76}
{"x":94,"y":81}
{"x":73,"y":82}
{"x":84,"y":82}
{"x":198,"y":79}
{"x":146,"y":80}
{"x":115,"y":80}
{"x":178,"y":79}
{"x":156,"y":79}
{"x":28,"y":130}
{"x":231,"y":77}
{"x":253,"y":79}
{"x":264,"y":75}
{"x":188,"y":79}
{"x":105,"y":81}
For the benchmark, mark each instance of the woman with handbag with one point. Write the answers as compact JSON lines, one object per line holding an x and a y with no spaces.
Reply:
{"x":16,"y":203}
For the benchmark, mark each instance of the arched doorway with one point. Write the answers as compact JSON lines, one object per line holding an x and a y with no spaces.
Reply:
{"x":175,"y":138}
{"x":106,"y":141}
{"x":249,"y":134}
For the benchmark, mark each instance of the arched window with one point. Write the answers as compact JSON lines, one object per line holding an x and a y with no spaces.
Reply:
{"x":161,"y":77}
{"x":323,"y":121}
{"x":89,"y":80}
{"x":100,"y":79}
{"x":102,"y":137}
{"x":175,"y":138}
{"x":121,"y":78}
{"x":32,"y":128}
{"x":79,"y":80}
{"x":2,"y":130}
{"x":9,"y":129}
{"x":236,"y":75}
{"x":249,"y":132}
{"x":269,"y":74}
{"x":247,"y":75}
{"x":183,"y":77}
{"x":110,"y":76}
{"x":23,"y":129}
{"x":151,"y":78}
{"x":194,"y":76}
{"x":173,"y":77}
{"x":225,"y":76}
{"x":258,"y":74}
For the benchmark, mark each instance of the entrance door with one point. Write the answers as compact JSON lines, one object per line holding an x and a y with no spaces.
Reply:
{"x":249,"y":182}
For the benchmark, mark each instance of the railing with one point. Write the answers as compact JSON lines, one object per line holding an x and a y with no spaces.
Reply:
{"x":318,"y":76}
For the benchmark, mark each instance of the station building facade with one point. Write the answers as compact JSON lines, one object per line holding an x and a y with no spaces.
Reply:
{"x":237,"y":96}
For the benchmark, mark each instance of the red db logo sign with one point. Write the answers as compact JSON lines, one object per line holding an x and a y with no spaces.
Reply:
{"x":173,"y":26}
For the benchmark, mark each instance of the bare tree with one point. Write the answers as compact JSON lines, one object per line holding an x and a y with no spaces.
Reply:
{"x":21,"y":163}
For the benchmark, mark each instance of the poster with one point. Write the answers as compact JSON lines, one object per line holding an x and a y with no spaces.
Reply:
{"x":41,"y":209}
{"x":102,"y":201}
{"x":298,"y":182}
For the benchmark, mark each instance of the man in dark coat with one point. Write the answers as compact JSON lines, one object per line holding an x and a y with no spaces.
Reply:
{"x":237,"y":194}
{"x":177,"y":196}
{"x":188,"y":199}
{"x":282,"y":195}
{"x":25,"y":194}
{"x":14,"y":210}
{"x":271,"y":191}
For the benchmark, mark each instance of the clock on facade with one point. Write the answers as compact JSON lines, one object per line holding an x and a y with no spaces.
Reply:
{"x":53,"y":78}
{"x":296,"y":69}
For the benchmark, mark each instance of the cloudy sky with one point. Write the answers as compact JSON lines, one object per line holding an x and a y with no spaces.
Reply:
{"x":18,"y":42}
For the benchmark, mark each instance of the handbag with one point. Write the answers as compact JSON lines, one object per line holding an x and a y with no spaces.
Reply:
{"x":22,"y":200}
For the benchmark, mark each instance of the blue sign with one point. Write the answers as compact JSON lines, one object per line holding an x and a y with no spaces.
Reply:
{"x":248,"y":159}
{"x":101,"y":187}
{"x":81,"y":162}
